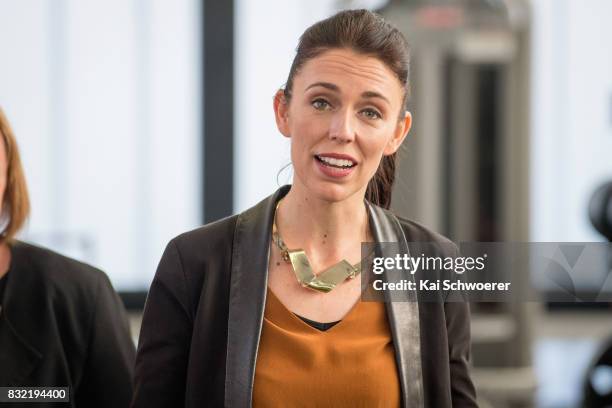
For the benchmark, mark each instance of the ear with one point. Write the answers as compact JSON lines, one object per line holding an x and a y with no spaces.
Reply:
{"x":281,"y":112}
{"x":401,"y":130}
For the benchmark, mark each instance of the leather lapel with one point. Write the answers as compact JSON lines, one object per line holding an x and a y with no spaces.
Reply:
{"x":402,"y":310}
{"x":247,"y":297}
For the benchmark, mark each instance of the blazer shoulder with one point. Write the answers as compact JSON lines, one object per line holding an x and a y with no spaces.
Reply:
{"x":53,"y":266}
{"x":49,"y":273}
{"x":209,"y":236}
{"x":417,"y":232}
{"x":201,"y":247}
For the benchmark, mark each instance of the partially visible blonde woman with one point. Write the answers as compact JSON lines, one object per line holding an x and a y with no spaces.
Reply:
{"x":61,"y":322}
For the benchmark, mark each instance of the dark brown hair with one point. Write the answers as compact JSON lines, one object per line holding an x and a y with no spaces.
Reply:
{"x":366,"y":33}
{"x":16,"y":203}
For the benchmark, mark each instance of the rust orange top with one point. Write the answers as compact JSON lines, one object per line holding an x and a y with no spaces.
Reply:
{"x":351,"y":364}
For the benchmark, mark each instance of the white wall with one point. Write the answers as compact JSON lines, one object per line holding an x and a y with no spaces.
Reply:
{"x":572,"y":115}
{"x":104,"y":98}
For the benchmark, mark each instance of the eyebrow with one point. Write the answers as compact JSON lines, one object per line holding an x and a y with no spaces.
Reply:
{"x":333,"y":87}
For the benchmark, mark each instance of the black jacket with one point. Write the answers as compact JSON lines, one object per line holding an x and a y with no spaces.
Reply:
{"x":203,"y":319}
{"x":62,"y":324}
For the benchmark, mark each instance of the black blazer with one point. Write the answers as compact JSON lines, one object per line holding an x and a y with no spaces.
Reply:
{"x":203,"y":317}
{"x":62,"y":324}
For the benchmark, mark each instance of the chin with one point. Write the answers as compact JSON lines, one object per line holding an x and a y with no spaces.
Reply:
{"x":332,"y":192}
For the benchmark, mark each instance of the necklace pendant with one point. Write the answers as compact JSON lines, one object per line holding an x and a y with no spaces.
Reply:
{"x":323,"y":282}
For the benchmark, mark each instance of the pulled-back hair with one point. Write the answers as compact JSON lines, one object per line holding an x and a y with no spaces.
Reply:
{"x":367,"y":33}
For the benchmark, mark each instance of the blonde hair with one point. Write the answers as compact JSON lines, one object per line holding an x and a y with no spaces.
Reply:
{"x":16,"y":202}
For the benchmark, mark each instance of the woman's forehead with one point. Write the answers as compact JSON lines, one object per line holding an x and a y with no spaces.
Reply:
{"x":342,"y":67}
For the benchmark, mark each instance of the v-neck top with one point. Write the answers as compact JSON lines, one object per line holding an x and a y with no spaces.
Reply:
{"x":352,"y":364}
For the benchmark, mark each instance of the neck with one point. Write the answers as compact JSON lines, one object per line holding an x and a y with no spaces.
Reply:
{"x":5,"y":258}
{"x":325,"y":229}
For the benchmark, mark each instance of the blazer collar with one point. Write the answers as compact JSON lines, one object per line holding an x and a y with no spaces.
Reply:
{"x":21,"y":320}
{"x":247,"y":299}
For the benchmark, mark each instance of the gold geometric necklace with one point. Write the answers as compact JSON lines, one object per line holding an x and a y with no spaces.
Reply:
{"x":326,"y":280}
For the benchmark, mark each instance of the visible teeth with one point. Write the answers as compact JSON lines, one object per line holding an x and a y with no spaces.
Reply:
{"x":336,"y":162}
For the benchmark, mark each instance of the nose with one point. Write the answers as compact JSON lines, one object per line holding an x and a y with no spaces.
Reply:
{"x":341,"y":127}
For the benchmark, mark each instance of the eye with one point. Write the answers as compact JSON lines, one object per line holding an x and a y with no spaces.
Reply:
{"x":372,"y":114}
{"x":320,"y":104}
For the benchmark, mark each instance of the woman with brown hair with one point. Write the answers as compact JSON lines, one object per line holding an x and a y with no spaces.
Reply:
{"x":61,"y":322}
{"x":260,"y":308}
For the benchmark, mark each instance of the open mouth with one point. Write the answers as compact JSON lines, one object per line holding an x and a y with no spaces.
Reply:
{"x":337,"y":163}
